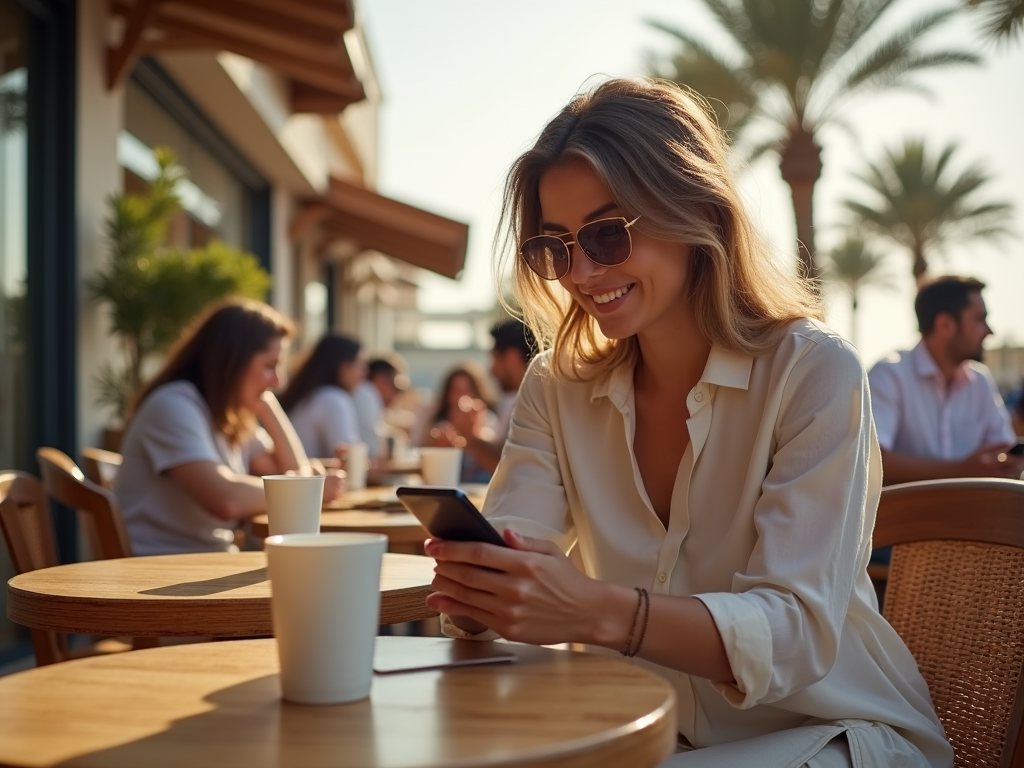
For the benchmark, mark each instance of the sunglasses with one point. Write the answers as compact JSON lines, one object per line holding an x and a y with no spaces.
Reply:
{"x":605,"y":241}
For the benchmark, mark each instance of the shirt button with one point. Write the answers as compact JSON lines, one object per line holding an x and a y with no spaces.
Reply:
{"x":699,"y":396}
{"x":662,"y":576}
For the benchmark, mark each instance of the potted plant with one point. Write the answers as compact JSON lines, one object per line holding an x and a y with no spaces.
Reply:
{"x":152,"y":290}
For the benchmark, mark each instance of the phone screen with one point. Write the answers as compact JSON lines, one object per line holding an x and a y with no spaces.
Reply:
{"x":447,"y":513}
{"x":1018,"y":449}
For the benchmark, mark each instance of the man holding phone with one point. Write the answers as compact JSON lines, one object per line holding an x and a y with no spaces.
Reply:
{"x":936,"y":408}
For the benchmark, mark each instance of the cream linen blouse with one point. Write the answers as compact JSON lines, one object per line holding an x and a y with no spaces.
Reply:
{"x":770,"y":527}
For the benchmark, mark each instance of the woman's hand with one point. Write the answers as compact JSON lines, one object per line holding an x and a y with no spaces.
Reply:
{"x":334,"y":484}
{"x":530,"y":593}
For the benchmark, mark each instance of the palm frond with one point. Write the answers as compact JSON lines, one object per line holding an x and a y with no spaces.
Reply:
{"x":1002,"y":18}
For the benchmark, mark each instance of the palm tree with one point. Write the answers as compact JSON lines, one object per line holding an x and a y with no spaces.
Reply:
{"x":923,"y":206}
{"x":1003,"y":18}
{"x":854,"y":265}
{"x":791,"y":66}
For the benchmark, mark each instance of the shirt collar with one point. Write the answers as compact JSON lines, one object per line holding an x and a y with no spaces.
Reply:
{"x":725,"y":368}
{"x":926,"y":367}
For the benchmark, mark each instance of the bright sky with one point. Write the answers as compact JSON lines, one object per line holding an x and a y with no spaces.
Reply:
{"x":468,"y":85}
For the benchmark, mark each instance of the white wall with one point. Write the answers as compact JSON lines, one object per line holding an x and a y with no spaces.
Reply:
{"x":100,"y":118}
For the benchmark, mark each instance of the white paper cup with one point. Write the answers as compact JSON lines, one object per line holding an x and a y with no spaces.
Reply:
{"x":325,"y":605}
{"x":441,"y":466}
{"x":293,"y":503}
{"x":357,"y":462}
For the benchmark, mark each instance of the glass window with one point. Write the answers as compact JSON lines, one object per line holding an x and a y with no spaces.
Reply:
{"x":13,"y":257}
{"x":215,"y":201}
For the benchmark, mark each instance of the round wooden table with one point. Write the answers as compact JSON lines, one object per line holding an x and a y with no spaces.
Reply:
{"x":207,"y":594}
{"x":219,"y":704}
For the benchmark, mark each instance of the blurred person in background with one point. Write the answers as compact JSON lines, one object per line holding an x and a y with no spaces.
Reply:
{"x":385,"y":379}
{"x":319,"y":399}
{"x":203,"y":429}
{"x":937,"y":410}
{"x":465,"y":396}
{"x":513,"y":349}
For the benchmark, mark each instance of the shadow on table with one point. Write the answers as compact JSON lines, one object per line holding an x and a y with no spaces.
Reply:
{"x":210,"y":586}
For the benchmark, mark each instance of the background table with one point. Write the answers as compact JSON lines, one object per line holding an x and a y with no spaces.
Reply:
{"x":209,"y":594}
{"x":358,"y":512}
{"x":218,"y":704}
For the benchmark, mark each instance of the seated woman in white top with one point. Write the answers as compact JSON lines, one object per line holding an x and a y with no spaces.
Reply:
{"x":319,"y":397}
{"x":193,"y":448}
{"x":705,"y":444}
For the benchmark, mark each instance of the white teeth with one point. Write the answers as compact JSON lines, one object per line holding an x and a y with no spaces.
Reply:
{"x":604,"y":298}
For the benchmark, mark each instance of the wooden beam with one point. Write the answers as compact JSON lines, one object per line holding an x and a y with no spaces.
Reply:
{"x":308,"y":99}
{"x":331,"y":72}
{"x":336,"y":15}
{"x":277,"y":21}
{"x":310,"y":215}
{"x":121,"y":59}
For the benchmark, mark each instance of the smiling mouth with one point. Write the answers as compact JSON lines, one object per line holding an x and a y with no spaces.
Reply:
{"x":618,"y":293}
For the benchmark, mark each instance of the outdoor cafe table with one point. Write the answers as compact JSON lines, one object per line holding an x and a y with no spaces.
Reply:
{"x":365,"y":512}
{"x":206,"y":594}
{"x":219,"y":704}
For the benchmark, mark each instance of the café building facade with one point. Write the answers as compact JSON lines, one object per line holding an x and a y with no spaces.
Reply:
{"x":271,"y":107}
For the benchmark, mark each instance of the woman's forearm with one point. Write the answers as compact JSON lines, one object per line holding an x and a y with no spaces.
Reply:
{"x":288,"y":452}
{"x":680,"y":634}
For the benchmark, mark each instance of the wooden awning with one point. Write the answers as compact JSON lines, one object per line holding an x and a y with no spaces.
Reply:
{"x":301,"y":39}
{"x":379,"y":223}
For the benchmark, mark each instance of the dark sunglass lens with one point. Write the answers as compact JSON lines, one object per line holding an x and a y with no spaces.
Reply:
{"x":606,"y":242}
{"x":547,"y":256}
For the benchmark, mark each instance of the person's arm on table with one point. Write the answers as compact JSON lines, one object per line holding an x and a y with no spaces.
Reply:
{"x":288,"y":454}
{"x":987,"y":461}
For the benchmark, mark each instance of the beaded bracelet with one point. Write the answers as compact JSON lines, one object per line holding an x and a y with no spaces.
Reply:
{"x":641,"y":597}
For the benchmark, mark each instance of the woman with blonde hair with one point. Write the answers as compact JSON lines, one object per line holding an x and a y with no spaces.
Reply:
{"x":702,"y":440}
{"x":203,"y":429}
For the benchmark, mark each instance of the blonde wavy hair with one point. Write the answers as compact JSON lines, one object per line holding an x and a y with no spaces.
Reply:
{"x":663,"y":158}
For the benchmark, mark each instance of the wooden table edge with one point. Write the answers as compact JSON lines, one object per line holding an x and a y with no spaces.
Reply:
{"x":156,"y":618}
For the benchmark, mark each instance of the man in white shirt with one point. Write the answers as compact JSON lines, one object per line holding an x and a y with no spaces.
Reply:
{"x":385,"y":378}
{"x":937,"y":410}
{"x":514,"y":347}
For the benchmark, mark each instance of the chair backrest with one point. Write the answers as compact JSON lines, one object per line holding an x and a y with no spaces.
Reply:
{"x":28,"y":530}
{"x":97,"y":507}
{"x":101,"y":466}
{"x":955,"y":595}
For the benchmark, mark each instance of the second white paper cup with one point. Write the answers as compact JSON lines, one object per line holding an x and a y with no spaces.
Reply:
{"x":325,"y":606}
{"x":357,"y":462}
{"x":294,"y":503}
{"x":441,"y":466}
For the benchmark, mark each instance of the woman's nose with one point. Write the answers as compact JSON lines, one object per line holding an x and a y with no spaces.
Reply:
{"x":581,"y":268}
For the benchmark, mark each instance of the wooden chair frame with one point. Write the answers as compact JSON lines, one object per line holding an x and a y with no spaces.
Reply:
{"x":986,"y":511}
{"x":96,"y":506}
{"x":93,"y":461}
{"x":28,"y":528}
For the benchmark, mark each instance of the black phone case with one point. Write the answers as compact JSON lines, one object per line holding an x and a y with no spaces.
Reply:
{"x":447,"y":513}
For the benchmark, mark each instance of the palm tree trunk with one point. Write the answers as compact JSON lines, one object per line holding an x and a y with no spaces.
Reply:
{"x":853,"y":317}
{"x":920,"y":265}
{"x":801,"y":168}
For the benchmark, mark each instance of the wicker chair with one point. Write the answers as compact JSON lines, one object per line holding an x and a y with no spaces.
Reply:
{"x":956,"y":596}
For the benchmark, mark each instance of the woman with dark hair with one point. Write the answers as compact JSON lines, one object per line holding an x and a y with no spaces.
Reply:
{"x":319,"y":398}
{"x":193,"y":449}
{"x":464,"y":388}
{"x":701,"y":442}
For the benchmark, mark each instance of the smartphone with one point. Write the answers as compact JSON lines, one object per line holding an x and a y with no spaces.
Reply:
{"x":447,"y":513}
{"x":1018,"y":449}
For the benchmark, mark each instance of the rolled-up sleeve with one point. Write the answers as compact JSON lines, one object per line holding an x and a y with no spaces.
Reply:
{"x":782,"y":621}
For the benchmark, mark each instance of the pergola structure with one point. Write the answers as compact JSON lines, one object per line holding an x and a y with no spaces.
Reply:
{"x":301,"y":39}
